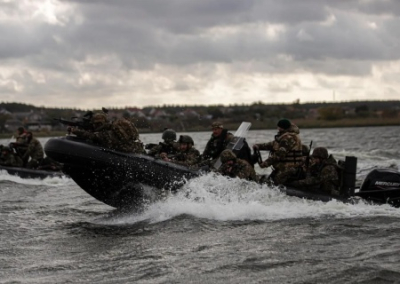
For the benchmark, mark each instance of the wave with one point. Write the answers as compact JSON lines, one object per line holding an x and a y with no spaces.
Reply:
{"x":49,"y":181}
{"x":215,"y":197}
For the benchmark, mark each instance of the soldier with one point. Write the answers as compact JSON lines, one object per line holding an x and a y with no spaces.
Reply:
{"x":234,"y":167}
{"x":187,"y":155}
{"x":119,"y":135}
{"x":9,"y":158}
{"x":21,"y":136}
{"x":167,"y":148}
{"x":322,"y":175}
{"x":34,"y":154}
{"x":285,"y":151}
{"x":127,"y":136}
{"x":220,"y":138}
{"x":21,"y":144}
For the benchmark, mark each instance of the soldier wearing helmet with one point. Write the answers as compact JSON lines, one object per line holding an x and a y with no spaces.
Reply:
{"x":235,"y":167}
{"x":34,"y":154}
{"x":286,"y":151}
{"x":99,"y":124}
{"x":322,"y":175}
{"x":126,"y":136}
{"x":187,"y":155}
{"x":98,"y":120}
{"x":169,"y":147}
{"x":218,"y":142}
{"x":120,"y":134}
{"x":8,"y":158}
{"x":219,"y":139}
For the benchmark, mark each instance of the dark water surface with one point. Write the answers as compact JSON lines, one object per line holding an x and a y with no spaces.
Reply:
{"x":213,"y":231}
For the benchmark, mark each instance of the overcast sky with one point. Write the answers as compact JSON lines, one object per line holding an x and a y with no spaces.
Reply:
{"x":88,"y":54}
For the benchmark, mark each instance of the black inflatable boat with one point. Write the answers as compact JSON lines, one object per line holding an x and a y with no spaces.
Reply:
{"x":115,"y":178}
{"x":31,"y":173}
{"x":120,"y":179}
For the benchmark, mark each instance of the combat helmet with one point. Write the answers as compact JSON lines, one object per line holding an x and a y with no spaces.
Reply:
{"x":227,"y":155}
{"x":99,"y":117}
{"x":186,"y":139}
{"x":320,"y":152}
{"x":169,"y":135}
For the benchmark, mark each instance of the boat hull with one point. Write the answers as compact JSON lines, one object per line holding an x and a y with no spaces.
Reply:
{"x":122,"y":180}
{"x":115,"y":178}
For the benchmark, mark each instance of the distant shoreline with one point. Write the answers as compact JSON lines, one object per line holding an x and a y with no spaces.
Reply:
{"x":261,"y":125}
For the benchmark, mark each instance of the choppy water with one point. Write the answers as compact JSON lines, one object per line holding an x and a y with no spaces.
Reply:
{"x":214,"y":231}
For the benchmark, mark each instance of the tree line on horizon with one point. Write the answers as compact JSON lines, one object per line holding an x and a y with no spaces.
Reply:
{"x":259,"y":113}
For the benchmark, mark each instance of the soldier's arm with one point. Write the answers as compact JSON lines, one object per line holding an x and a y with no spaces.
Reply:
{"x":88,"y":135}
{"x":193,"y":157}
{"x":264,"y":146}
{"x":155,"y":150}
{"x":309,"y":181}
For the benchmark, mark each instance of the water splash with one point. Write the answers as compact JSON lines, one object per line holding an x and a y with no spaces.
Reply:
{"x":218,"y":198}
{"x":49,"y":181}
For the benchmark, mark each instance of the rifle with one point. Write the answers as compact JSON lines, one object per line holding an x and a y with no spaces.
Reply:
{"x":256,"y":157}
{"x":83,"y":123}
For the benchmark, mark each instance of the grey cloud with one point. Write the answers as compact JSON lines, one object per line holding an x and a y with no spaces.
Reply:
{"x":140,"y":35}
{"x":144,"y":33}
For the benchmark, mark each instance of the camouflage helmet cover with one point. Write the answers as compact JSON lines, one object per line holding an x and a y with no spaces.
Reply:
{"x":217,"y":124}
{"x":320,"y":152}
{"x":169,"y":134}
{"x":227,"y":155}
{"x":99,"y":117}
{"x":186,"y":139}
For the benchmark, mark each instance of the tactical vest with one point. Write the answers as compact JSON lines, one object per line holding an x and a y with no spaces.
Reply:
{"x":216,"y":145}
{"x":293,"y":156}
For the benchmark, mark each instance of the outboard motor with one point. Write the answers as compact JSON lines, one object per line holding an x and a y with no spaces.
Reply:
{"x":382,"y":186}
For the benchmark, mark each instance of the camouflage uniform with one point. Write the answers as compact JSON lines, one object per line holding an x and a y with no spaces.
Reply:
{"x":126,"y":137}
{"x":21,"y":141}
{"x":119,"y":135}
{"x":34,"y":153}
{"x":189,"y":158}
{"x":9,"y":159}
{"x":234,"y":167}
{"x":285,"y":153}
{"x":321,"y":176}
{"x":169,"y":146}
{"x":187,"y":155}
{"x":217,"y":144}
